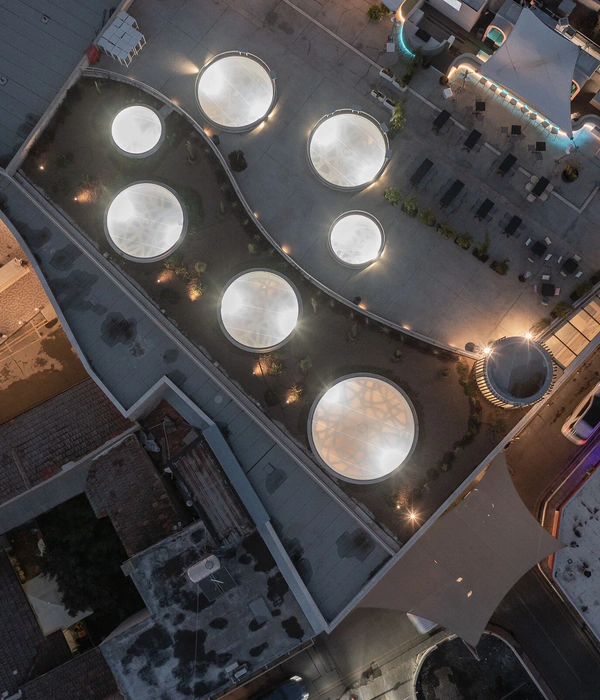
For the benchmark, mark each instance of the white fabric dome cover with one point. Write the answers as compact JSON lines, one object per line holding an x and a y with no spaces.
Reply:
{"x":137,"y":129}
{"x":259,"y":310}
{"x":356,"y":239}
{"x":347,"y":149}
{"x":145,"y":221}
{"x":235,"y":91}
{"x":363,"y":427}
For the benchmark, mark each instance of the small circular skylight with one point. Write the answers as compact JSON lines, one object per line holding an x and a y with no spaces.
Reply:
{"x":348,"y":150}
{"x":259,"y":310}
{"x":137,"y":130}
{"x":356,"y":239}
{"x":363,"y":428}
{"x":145,"y":222}
{"x":235,"y":91}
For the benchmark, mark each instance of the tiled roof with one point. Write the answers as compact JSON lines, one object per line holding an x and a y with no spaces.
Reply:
{"x":35,"y":445}
{"x":86,"y":677}
{"x":23,"y":649}
{"x":124,"y":485}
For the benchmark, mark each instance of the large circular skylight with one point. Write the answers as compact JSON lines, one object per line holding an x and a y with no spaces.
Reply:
{"x":348,"y":150}
{"x":356,"y":239}
{"x":137,"y":130}
{"x":145,"y":222}
{"x":235,"y":91}
{"x":259,"y":310}
{"x":363,"y":427}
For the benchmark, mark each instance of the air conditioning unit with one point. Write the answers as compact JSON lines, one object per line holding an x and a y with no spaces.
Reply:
{"x":203,"y":569}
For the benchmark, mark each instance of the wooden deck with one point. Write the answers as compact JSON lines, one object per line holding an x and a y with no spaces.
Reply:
{"x":214,"y":497}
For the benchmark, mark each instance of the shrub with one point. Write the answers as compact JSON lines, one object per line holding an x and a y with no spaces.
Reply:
{"x":393,"y":196}
{"x":500,"y":266}
{"x":398,"y":119}
{"x":464,"y":241}
{"x":200,"y":268}
{"x":410,"y":206}
{"x":192,"y":156}
{"x":237,"y":162}
{"x":540,"y":325}
{"x":272,"y":364}
{"x":581,"y":290}
{"x":221,"y":209}
{"x":427,"y":217}
{"x":397,"y":354}
{"x":171,"y":296}
{"x":446,"y":230}
{"x":377,"y":12}
{"x":196,"y":289}
{"x":562,"y":310}
{"x":595,"y":278}
{"x":272,"y":398}
{"x":305,"y":364}
{"x":294,"y":393}
{"x":253,"y":249}
{"x":353,"y":332}
{"x":65,"y":159}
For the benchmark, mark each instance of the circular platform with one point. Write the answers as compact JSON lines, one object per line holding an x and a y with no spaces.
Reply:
{"x":356,"y":239}
{"x":347,"y":149}
{"x":236,"y":91}
{"x":259,"y":310}
{"x":516,"y":372}
{"x":145,"y":222}
{"x":137,"y":131}
{"x":363,"y":428}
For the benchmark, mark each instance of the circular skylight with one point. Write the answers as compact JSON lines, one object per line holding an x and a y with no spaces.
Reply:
{"x":259,"y":310}
{"x":356,"y":239}
{"x":363,"y":427}
{"x":347,"y":149}
{"x":145,"y":222}
{"x":235,"y":91}
{"x":516,"y":372}
{"x":137,"y":130}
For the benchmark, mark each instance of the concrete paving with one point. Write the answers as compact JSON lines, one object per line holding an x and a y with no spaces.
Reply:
{"x":422,"y":282}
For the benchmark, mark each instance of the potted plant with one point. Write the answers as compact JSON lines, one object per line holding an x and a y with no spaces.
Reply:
{"x":446,"y":231}
{"x":464,"y":241}
{"x":500,"y":266}
{"x":443,"y":80}
{"x":561,"y":310}
{"x":571,"y":170}
{"x":379,"y":96}
{"x":427,"y":216}
{"x":386,"y":74}
{"x":410,"y":206}
{"x":393,"y":196}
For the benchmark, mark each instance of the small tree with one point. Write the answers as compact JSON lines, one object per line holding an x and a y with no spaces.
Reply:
{"x":377,"y":12}
{"x":305,"y":364}
{"x":562,"y":310}
{"x":410,"y":206}
{"x":464,"y":241}
{"x":446,"y":230}
{"x":393,"y":196}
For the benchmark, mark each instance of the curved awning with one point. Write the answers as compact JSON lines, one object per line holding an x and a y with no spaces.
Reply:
{"x":459,"y":571}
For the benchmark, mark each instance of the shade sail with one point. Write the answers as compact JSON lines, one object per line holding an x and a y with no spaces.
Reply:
{"x":459,"y":571}
{"x":537,"y":64}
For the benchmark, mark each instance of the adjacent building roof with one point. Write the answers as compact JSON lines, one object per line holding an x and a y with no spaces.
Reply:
{"x":40,"y":46}
{"x":537,"y":64}
{"x":457,"y":573}
{"x":35,"y":445}
{"x":124,"y":485}
{"x":197,"y":631}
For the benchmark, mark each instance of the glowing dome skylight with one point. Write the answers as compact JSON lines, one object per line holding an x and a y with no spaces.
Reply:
{"x":347,"y":149}
{"x":363,"y":427}
{"x":259,"y":310}
{"x":356,"y":239}
{"x":145,"y":222}
{"x":137,"y":130}
{"x":235,"y":91}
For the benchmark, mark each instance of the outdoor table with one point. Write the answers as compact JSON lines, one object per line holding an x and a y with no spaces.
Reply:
{"x":421,"y":171}
{"x":451,"y":193}
{"x":540,"y":186}
{"x":540,"y":146}
{"x":569,"y":266}
{"x":507,"y":164}
{"x":441,"y":119}
{"x":484,"y":209}
{"x":515,"y":130}
{"x":539,"y":248}
{"x":512,"y":226}
{"x":548,"y":289}
{"x":480,"y":106}
{"x":472,"y":139}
